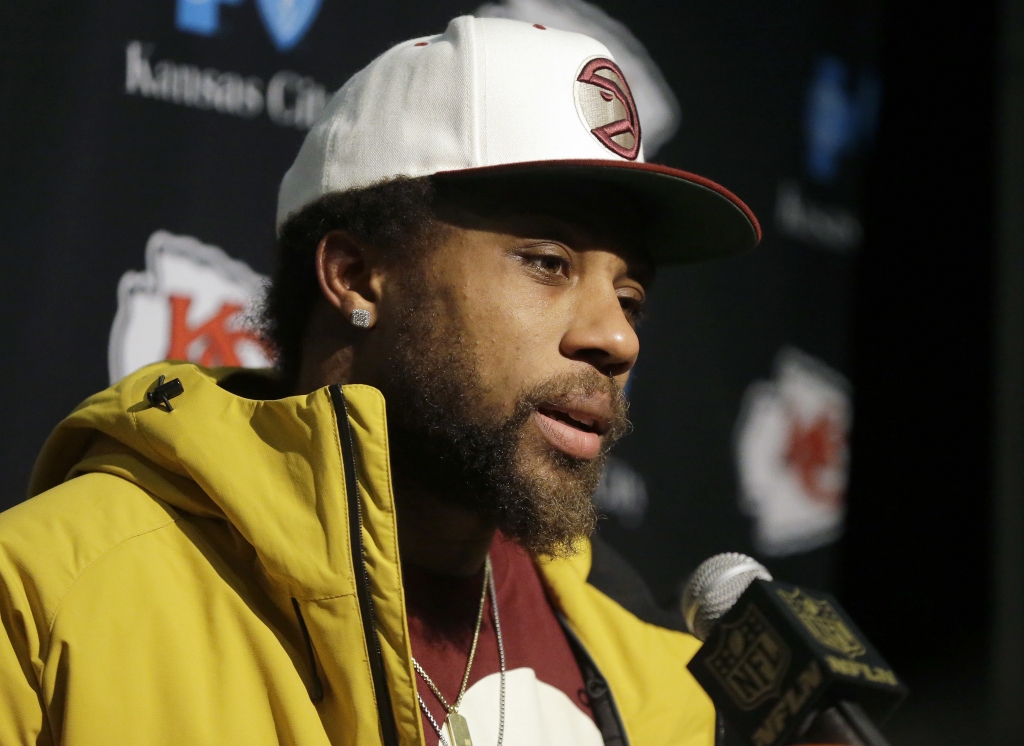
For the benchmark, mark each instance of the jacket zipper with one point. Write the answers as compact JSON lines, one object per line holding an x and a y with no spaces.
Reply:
{"x":602,"y":703}
{"x":385,"y":712}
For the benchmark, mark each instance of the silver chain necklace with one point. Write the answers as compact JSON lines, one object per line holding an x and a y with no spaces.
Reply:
{"x":458,"y":729}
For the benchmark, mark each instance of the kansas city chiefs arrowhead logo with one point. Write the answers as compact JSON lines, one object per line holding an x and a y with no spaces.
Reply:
{"x":193,"y":302}
{"x":792,"y":454}
{"x":606,"y":106}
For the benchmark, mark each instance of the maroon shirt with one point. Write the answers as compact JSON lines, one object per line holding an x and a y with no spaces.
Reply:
{"x":442,"y":614}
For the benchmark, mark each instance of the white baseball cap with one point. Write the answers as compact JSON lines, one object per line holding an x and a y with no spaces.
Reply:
{"x":497,"y":99}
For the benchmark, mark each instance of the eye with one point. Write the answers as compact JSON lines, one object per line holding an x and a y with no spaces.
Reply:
{"x":550,"y":265}
{"x":633,"y":308}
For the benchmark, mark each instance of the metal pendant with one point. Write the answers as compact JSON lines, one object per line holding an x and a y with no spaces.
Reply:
{"x":458,"y":730}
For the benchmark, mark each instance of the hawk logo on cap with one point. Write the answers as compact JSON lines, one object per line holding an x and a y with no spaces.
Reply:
{"x":606,"y":106}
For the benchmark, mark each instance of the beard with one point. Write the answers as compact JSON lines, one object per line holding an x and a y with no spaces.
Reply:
{"x":446,"y":436}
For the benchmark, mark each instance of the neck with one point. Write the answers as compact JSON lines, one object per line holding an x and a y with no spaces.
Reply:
{"x":434,"y":535}
{"x":438,"y":537}
{"x":327,"y":352}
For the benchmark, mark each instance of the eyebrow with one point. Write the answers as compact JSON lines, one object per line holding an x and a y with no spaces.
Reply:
{"x":548,"y":227}
{"x":566,"y":231}
{"x":643,"y":271}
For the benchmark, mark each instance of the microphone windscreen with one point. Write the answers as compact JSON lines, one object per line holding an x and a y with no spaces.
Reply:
{"x":715,"y":587}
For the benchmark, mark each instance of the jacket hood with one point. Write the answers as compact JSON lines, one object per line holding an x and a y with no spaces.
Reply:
{"x":271,"y":468}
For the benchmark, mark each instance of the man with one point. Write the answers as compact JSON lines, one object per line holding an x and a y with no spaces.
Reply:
{"x":216,"y":556}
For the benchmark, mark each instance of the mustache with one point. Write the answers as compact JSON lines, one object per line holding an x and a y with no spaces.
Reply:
{"x":568,"y":390}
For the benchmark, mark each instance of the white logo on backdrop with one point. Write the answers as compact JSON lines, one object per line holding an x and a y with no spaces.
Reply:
{"x":834,"y":228}
{"x":290,"y":99}
{"x":656,"y":104}
{"x":792,"y":454}
{"x":192,"y":302}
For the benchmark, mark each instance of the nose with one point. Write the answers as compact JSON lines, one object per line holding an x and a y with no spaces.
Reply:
{"x":601,"y":335}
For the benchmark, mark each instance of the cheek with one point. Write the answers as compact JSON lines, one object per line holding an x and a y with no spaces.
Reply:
{"x":513,"y":328}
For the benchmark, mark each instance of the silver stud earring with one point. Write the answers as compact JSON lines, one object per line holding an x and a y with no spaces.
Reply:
{"x":361,"y":318}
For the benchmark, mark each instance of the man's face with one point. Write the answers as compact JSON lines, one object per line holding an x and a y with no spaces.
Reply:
{"x":502,"y":358}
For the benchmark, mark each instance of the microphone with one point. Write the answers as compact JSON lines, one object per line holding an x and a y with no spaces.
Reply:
{"x":784,"y":665}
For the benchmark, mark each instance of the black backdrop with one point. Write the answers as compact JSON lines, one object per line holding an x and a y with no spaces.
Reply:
{"x":916,"y":564}
{"x":87,"y":173}
{"x":91,"y":170}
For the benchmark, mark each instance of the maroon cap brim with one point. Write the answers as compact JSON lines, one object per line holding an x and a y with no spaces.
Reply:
{"x":691,"y":218}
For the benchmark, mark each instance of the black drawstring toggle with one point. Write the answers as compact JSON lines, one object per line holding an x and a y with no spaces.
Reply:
{"x":163,"y":393}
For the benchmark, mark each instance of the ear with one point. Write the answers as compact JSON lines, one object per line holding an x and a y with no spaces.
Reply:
{"x":346,"y":277}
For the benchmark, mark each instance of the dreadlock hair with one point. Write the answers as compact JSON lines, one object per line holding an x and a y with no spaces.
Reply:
{"x":396,"y":217}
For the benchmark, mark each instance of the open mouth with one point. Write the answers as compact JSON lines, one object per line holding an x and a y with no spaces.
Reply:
{"x":572,"y":431}
{"x":576,"y":420}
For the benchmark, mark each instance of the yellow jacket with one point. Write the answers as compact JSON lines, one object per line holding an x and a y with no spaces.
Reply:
{"x":215,"y":575}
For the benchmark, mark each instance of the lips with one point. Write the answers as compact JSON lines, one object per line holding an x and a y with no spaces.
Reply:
{"x":574,"y":430}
